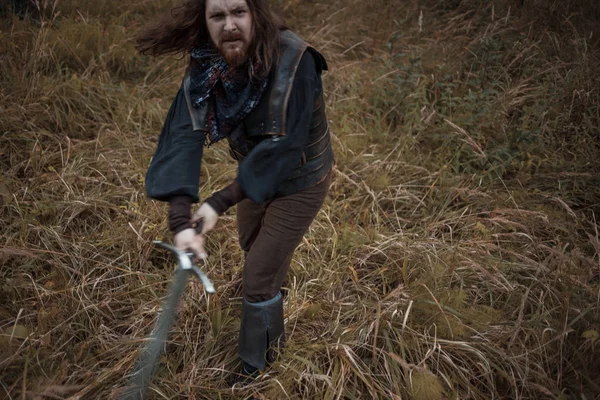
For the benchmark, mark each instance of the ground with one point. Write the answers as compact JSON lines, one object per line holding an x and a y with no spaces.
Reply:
{"x":457,"y":256}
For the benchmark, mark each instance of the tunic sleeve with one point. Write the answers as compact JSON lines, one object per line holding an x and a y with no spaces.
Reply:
{"x":273,"y":160}
{"x":175,"y":167}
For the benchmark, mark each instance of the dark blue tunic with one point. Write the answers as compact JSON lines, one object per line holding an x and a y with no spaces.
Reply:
{"x":175,"y":167}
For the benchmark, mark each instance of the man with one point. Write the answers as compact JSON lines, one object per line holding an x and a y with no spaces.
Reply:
{"x":257,"y":84}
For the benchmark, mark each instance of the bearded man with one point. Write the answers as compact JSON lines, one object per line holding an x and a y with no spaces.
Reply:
{"x":256,"y":84}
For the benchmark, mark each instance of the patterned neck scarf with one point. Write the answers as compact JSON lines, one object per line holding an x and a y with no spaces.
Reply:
{"x":231,"y":94}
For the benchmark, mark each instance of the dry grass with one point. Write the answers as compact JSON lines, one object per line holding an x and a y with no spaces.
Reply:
{"x":458,"y":255}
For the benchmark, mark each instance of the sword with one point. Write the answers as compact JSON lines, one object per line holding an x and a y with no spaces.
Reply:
{"x":149,"y":357}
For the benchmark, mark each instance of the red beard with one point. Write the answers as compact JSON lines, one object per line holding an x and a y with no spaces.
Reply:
{"x":233,"y":56}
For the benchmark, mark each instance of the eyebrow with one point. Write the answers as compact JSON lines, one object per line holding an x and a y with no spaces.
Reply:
{"x":217,"y":9}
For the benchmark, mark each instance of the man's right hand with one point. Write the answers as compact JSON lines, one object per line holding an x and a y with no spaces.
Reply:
{"x":188,"y":239}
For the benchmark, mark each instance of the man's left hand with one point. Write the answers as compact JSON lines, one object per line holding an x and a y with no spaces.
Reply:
{"x":208,"y":216}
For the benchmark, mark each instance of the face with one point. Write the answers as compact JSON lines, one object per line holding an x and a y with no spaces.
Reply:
{"x":229,"y":24}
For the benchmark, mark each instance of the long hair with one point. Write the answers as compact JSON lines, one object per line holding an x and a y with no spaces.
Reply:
{"x":184,"y":28}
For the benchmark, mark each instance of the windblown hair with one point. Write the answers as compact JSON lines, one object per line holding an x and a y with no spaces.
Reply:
{"x":184,"y":28}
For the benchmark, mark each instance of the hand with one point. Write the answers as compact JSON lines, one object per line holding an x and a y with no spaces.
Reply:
{"x":208,"y":216}
{"x":187,"y":239}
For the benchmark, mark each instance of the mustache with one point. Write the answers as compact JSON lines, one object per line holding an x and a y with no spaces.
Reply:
{"x":230,"y":37}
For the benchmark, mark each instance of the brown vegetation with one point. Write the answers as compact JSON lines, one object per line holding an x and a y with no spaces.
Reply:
{"x":458,"y":255}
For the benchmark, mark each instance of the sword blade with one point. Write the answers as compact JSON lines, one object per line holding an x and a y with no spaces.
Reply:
{"x":150,"y":355}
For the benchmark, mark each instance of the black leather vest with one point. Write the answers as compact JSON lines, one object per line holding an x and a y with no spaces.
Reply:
{"x":268,"y":119}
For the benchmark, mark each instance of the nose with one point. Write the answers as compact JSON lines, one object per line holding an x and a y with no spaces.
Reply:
{"x":230,"y":24}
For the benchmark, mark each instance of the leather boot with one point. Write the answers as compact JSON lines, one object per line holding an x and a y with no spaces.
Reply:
{"x":261,"y":335}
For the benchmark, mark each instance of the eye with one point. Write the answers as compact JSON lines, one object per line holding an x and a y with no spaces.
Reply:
{"x":217,"y":16}
{"x":240,"y":12}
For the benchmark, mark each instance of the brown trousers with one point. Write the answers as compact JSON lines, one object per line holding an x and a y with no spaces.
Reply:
{"x":269,"y":234}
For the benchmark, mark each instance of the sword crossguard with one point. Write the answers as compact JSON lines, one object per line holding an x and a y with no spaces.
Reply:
{"x":186,"y":264}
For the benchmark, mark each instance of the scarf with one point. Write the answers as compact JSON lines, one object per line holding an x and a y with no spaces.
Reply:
{"x":231,"y":94}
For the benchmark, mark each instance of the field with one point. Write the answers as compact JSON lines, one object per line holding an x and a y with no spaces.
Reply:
{"x":457,"y":256}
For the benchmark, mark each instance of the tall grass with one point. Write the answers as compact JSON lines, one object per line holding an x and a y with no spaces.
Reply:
{"x":457,"y":256}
